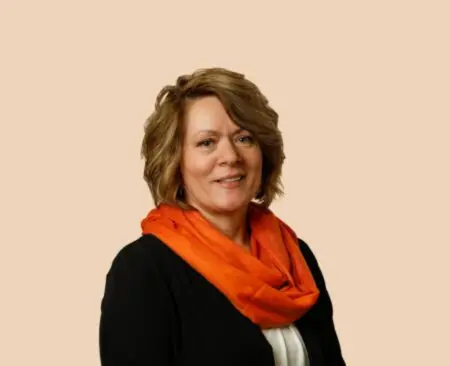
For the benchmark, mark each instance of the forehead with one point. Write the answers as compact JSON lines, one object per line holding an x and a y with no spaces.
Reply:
{"x":207,"y":113}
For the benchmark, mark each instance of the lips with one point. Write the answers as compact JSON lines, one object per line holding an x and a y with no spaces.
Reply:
{"x":231,"y":178}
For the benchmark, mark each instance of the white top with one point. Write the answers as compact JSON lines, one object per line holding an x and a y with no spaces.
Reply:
{"x":287,"y":345}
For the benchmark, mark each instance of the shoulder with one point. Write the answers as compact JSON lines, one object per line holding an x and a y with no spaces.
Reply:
{"x":137,"y":274}
{"x":144,"y":245}
{"x":147,"y":251}
{"x":138,"y":315}
{"x":307,"y":252}
{"x":143,"y":260}
{"x":312,"y":262}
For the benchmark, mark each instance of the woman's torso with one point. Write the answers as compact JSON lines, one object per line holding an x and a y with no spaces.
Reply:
{"x":212,"y":331}
{"x":199,"y":325}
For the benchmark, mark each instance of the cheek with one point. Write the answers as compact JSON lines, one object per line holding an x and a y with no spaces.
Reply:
{"x":256,"y":162}
{"x":195,"y":168}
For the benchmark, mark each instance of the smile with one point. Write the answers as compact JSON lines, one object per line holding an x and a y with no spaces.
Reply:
{"x":231,"y":182}
{"x":231,"y":179}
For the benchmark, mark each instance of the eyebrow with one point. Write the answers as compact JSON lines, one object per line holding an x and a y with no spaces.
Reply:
{"x":214,"y":132}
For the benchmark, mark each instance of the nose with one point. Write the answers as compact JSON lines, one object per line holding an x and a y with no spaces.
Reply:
{"x":228,"y":153}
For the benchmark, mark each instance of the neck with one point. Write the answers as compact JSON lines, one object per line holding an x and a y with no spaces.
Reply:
{"x":233,"y":225}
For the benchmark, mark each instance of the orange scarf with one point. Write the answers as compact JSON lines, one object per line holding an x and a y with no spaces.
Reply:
{"x":272,"y":285}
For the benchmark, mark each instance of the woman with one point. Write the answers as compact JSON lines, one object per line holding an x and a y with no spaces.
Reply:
{"x":215,"y":278}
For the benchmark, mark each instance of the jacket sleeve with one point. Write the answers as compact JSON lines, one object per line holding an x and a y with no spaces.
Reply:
{"x":331,"y":344}
{"x":137,"y":318}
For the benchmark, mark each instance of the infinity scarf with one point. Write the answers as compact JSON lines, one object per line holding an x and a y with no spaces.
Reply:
{"x":271,"y":284}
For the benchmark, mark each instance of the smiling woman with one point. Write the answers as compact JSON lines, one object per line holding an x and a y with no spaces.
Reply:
{"x":221,"y":165}
{"x":216,"y":278}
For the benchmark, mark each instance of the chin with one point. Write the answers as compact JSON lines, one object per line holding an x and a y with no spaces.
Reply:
{"x":231,"y":205}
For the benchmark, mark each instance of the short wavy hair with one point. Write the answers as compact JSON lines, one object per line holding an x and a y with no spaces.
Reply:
{"x":247,"y":107}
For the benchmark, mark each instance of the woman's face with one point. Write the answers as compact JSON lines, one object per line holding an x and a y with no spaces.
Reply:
{"x":221,"y":164}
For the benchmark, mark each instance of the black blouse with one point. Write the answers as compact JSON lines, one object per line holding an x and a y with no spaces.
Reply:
{"x":157,"y":310}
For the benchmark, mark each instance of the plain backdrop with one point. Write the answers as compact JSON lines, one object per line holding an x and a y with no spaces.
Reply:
{"x":363,"y":93}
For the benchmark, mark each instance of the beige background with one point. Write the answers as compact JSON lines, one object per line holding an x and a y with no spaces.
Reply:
{"x":362,"y":89}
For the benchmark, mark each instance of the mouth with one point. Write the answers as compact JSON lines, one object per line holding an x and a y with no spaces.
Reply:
{"x":231,"y":179}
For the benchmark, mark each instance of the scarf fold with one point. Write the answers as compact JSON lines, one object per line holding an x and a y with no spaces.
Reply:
{"x":271,"y":285}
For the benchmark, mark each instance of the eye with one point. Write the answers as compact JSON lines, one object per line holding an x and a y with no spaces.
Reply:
{"x":247,"y":139}
{"x":205,"y":143}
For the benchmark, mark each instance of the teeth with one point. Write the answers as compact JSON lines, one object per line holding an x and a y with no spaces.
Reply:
{"x":231,"y":179}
